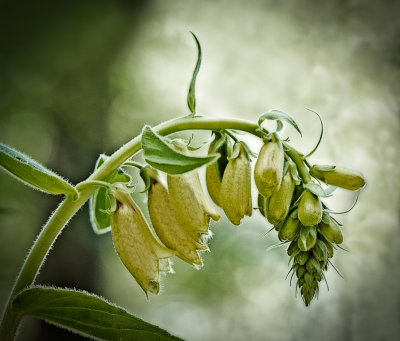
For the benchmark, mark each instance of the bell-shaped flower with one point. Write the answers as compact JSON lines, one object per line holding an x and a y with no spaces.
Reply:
{"x":172,"y":234}
{"x":136,"y":246}
{"x":191,"y":207}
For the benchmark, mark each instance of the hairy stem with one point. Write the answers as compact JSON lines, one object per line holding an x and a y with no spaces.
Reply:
{"x":69,"y":207}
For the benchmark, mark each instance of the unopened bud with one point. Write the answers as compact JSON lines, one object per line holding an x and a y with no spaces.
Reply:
{"x":268,"y":170}
{"x":262,"y":203}
{"x":331,"y":232}
{"x":293,"y":248}
{"x":215,"y":171}
{"x":320,"y":251}
{"x":213,"y":183}
{"x":302,"y":257}
{"x":279,"y":202}
{"x":307,"y":238}
{"x":328,"y":245}
{"x":290,"y":227}
{"x":312,"y":265}
{"x":301,"y":270}
{"x":338,"y":176}
{"x":236,"y":188}
{"x":136,"y":246}
{"x":310,"y":209}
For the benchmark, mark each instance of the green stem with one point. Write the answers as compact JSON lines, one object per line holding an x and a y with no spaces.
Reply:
{"x":299,"y":161}
{"x":69,"y":207}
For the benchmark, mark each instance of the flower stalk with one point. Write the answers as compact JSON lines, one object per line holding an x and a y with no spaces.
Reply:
{"x":67,"y":209}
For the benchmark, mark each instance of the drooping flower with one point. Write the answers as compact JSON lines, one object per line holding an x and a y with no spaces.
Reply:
{"x":136,"y":246}
{"x":192,"y":208}
{"x":172,"y":234}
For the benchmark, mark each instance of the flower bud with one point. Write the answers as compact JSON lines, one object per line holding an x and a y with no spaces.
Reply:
{"x":268,"y":170}
{"x":279,"y":202}
{"x":236,"y":188}
{"x":136,"y":246}
{"x":262,"y":203}
{"x":320,"y":251}
{"x":309,"y":278}
{"x":290,"y":227}
{"x":302,"y":257}
{"x":307,"y":238}
{"x":301,"y":270}
{"x":171,"y":233}
{"x":318,"y":277}
{"x":213,"y":183}
{"x":191,"y":207}
{"x":331,"y":232}
{"x":214,"y":172}
{"x":328,"y":245}
{"x":338,"y":176}
{"x":293,"y":249}
{"x":310,"y":209}
{"x":312,"y":265}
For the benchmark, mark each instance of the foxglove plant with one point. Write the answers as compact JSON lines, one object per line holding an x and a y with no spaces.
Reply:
{"x":291,"y":194}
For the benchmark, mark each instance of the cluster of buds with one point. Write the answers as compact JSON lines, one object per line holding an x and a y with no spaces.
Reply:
{"x":180,"y":212}
{"x":293,"y":205}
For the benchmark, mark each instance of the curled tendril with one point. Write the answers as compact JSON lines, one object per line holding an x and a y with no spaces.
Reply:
{"x":320,"y":136}
{"x":348,"y":210}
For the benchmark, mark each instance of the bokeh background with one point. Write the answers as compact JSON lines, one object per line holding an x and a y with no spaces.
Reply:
{"x":81,"y":78}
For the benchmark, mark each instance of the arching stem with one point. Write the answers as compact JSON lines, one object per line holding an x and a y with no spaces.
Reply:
{"x":66,"y":210}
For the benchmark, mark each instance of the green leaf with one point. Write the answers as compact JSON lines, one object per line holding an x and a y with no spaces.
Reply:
{"x":191,"y":98}
{"x":280,"y":116}
{"x":163,"y":157}
{"x":99,"y":202}
{"x":318,"y":190}
{"x":324,"y":168}
{"x":33,"y":173}
{"x":85,"y":314}
{"x":294,"y":172}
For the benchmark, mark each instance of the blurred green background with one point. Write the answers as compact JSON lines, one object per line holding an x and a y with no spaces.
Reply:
{"x":81,"y":78}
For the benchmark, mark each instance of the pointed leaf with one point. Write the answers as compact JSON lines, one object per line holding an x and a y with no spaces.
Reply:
{"x":33,"y":173}
{"x":85,"y":314}
{"x":323,"y":167}
{"x":318,"y":190}
{"x":191,"y":98}
{"x":99,"y":202}
{"x":159,"y":154}
{"x":280,"y":116}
